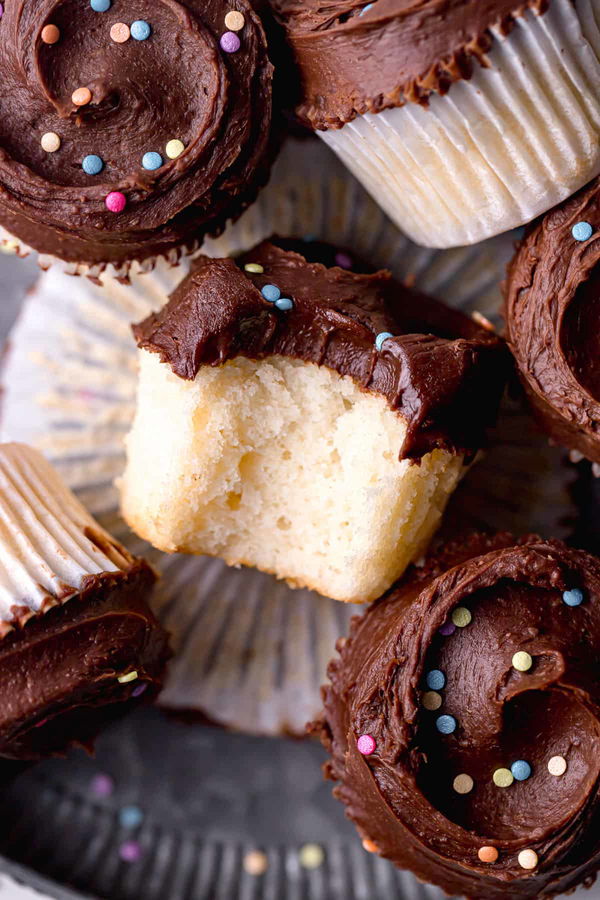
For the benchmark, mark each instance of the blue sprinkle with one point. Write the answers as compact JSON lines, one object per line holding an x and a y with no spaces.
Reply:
{"x":92,"y":164}
{"x":152,"y":161}
{"x":131,"y":817}
{"x":521,"y":770}
{"x":582,"y":231}
{"x":140,"y":30}
{"x":271,"y":293}
{"x":381,"y":337}
{"x":446,"y":724}
{"x":435,"y":680}
{"x":284,"y":304}
{"x":365,"y":9}
{"x":574,"y":597}
{"x":100,"y":5}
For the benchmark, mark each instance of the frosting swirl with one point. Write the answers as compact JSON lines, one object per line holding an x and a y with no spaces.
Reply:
{"x":149,"y":104}
{"x":470,"y":752}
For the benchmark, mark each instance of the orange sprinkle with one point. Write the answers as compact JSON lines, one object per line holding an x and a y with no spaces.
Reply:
{"x":487,"y":854}
{"x":370,"y":846}
{"x":50,"y":34}
{"x":81,"y":96}
{"x":120,"y":32}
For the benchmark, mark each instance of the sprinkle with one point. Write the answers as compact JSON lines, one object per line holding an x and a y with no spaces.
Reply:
{"x":366,"y":744}
{"x":461,"y":617}
{"x":41,"y":723}
{"x":431,"y":700}
{"x":528,"y":859}
{"x":522,"y":661}
{"x":447,"y":629}
{"x":50,"y":34}
{"x":574,"y":597}
{"x":311,"y":856}
{"x":343,"y":260}
{"x":370,"y":846}
{"x":130,"y":851}
{"x":271,"y":293}
{"x":140,"y":30}
{"x":521,"y":770}
{"x":487,"y":854}
{"x":365,"y":9}
{"x":503,"y":778}
{"x":81,"y":97}
{"x":120,"y":32}
{"x":152,"y":161}
{"x":131,"y":817}
{"x":174,"y":148}
{"x":230,"y":42}
{"x":100,"y":5}
{"x":102,"y":785}
{"x":139,"y":690}
{"x":255,"y":863}
{"x":50,"y":142}
{"x":582,"y":231}
{"x":92,"y":164}
{"x":1,"y":10}
{"x":284,"y":304}
{"x":381,"y":337}
{"x":463,"y":784}
{"x":557,"y":766}
{"x":254,"y":268}
{"x":446,"y":724}
{"x":125,"y":679}
{"x":116,"y":201}
{"x":234,"y":21}
{"x":436,"y":680}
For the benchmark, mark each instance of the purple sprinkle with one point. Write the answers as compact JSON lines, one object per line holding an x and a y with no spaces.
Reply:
{"x":447,"y":629}
{"x":230,"y":42}
{"x":343,"y":260}
{"x":139,"y":690}
{"x":102,"y":785}
{"x":130,"y":851}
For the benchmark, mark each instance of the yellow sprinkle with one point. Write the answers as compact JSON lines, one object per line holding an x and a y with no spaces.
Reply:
{"x":311,"y":856}
{"x":557,"y":766}
{"x":254,"y":268}
{"x":255,"y":863}
{"x":522,"y":661}
{"x":503,"y":778}
{"x":50,"y":142}
{"x":124,"y":679}
{"x":461,"y":617}
{"x":528,"y":859}
{"x":463,"y":784}
{"x":234,"y":21}
{"x":174,"y":149}
{"x":431,"y":700}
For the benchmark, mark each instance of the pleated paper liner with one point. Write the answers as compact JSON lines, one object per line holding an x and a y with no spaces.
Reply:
{"x":251,"y":653}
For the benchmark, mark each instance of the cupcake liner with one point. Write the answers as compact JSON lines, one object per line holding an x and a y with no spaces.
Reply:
{"x":498,"y":150}
{"x":250,"y":652}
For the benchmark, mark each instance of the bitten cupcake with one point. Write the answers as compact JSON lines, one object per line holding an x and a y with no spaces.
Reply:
{"x":463,"y":720}
{"x":553,"y":321}
{"x":129,"y":129}
{"x":462,"y":118}
{"x":309,"y":421}
{"x":77,"y":639}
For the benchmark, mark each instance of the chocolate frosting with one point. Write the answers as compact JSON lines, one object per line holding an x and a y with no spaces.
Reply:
{"x":442,"y":372}
{"x":177,"y":84}
{"x":401,"y":797}
{"x":552,"y":313}
{"x":355,"y":57}
{"x":59,"y":671}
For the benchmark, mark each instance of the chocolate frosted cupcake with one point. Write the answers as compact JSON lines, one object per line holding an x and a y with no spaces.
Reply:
{"x":463,"y":118}
{"x":553,"y":321}
{"x":309,"y":421}
{"x":463,"y":720}
{"x":77,"y":639}
{"x":128,"y":129}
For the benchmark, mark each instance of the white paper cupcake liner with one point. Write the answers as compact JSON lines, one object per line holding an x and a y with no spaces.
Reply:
{"x":498,"y":150}
{"x":251,"y":653}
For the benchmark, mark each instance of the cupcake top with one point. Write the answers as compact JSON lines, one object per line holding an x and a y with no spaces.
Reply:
{"x":553,"y":319}
{"x":356,"y":57}
{"x":387,"y":337}
{"x":463,"y":719}
{"x":127,"y":129}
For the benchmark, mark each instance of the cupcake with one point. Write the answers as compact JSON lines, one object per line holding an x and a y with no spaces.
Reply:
{"x":463,"y":720}
{"x":77,"y":639}
{"x":311,"y":422}
{"x":552,"y":316}
{"x":99,"y":164}
{"x":463,"y":119}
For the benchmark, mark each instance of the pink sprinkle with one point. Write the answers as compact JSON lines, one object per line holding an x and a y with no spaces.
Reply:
{"x":102,"y":785}
{"x":139,"y":690}
{"x":130,"y":851}
{"x":366,"y":744}
{"x":43,"y":722}
{"x":343,"y":260}
{"x":447,"y":629}
{"x":230,"y":42}
{"x":1,"y":10}
{"x":116,"y":201}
